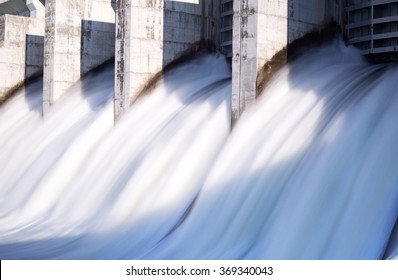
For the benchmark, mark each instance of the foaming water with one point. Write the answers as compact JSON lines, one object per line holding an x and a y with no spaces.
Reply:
{"x":310,"y":172}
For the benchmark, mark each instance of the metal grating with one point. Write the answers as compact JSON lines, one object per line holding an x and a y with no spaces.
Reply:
{"x":372,"y":25}
{"x":226,"y":20}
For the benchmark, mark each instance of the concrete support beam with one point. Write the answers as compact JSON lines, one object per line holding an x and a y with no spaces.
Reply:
{"x":36,"y":8}
{"x":62,"y":48}
{"x":79,"y":36}
{"x":263,"y":28}
{"x":248,"y":54}
{"x":122,"y":54}
{"x":151,"y":34}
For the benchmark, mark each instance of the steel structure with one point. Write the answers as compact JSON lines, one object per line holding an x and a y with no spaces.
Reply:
{"x":372,"y":26}
{"x":227,"y":12}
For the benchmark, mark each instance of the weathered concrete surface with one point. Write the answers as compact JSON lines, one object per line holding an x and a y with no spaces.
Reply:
{"x":36,"y":8}
{"x":122,"y":54}
{"x":151,"y":34}
{"x":21,"y":50}
{"x":245,"y":60}
{"x":263,"y":28}
{"x":34,"y":55}
{"x":98,"y":44}
{"x":79,"y":36}
{"x":62,"y":47}
{"x":98,"y":33}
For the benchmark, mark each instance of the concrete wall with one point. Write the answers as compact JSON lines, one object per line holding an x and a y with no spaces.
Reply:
{"x":98,"y":44}
{"x":263,"y":28}
{"x":79,"y":36}
{"x":21,"y":50}
{"x":98,"y":33}
{"x":151,"y":34}
{"x":34,"y":55}
{"x":36,"y":8}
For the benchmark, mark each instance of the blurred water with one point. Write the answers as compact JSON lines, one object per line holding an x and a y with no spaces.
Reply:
{"x":310,"y":172}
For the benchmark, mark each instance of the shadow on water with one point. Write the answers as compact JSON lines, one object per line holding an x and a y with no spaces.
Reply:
{"x":237,"y":218}
{"x":97,"y":86}
{"x":32,"y":92}
{"x":208,"y":71}
{"x":392,"y":246}
{"x":39,"y":249}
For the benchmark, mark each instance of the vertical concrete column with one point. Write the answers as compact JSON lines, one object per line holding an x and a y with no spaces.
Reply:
{"x":62,"y":48}
{"x":149,"y":35}
{"x":259,"y":31}
{"x":122,"y":57}
{"x":245,"y":59}
{"x":140,"y":48}
{"x":36,"y":8}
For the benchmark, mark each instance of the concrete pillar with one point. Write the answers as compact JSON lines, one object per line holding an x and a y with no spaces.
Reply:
{"x":259,"y":31}
{"x":122,"y":55}
{"x":263,"y":28}
{"x":150,"y":35}
{"x":79,"y":36}
{"x":36,"y":8}
{"x":62,"y":48}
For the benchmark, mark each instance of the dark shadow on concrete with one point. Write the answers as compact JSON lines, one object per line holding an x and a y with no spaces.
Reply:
{"x":97,"y":44}
{"x":34,"y":56}
{"x":34,"y":61}
{"x":181,"y":30}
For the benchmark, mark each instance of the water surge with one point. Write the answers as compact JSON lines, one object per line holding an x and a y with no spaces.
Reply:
{"x":309,"y":172}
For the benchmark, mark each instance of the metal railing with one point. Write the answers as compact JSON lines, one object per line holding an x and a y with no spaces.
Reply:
{"x":226,"y":23}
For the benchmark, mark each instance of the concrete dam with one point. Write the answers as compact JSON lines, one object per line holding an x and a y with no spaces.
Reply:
{"x":92,"y":166}
{"x":66,"y":39}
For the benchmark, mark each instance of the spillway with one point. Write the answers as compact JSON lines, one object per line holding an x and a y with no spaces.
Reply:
{"x":309,"y":172}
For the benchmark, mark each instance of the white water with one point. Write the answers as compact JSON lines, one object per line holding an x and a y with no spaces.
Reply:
{"x":311,"y":171}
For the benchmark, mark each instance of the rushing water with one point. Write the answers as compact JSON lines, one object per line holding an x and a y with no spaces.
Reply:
{"x":310,"y":172}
